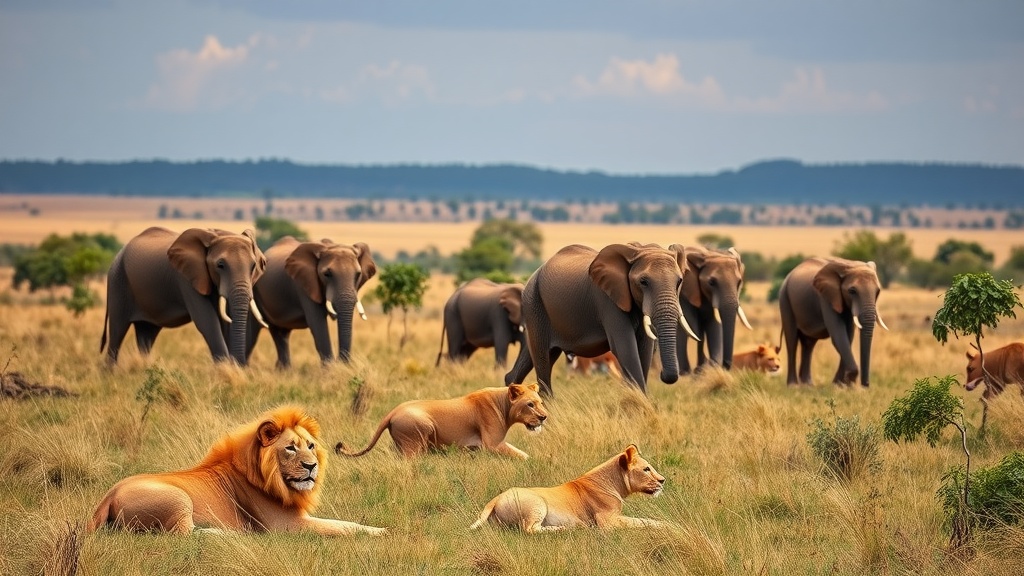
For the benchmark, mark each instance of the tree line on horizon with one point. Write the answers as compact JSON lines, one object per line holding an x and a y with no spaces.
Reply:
{"x":768,"y":182}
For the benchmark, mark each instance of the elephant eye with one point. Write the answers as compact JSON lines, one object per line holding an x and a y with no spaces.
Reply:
{"x":220,"y":264}
{"x":852,"y":290}
{"x":328,"y":273}
{"x":643,"y":282}
{"x":679,"y":282}
{"x":713,"y":282}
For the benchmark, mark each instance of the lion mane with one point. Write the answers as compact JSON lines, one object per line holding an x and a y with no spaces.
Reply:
{"x":265,"y":475}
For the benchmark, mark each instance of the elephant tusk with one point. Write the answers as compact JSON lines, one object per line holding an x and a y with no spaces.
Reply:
{"x":684,"y":325}
{"x":647,"y":328}
{"x":743,"y":317}
{"x":856,"y":322}
{"x":718,"y":317}
{"x":331,"y":310}
{"x":522,"y":328}
{"x":880,"y":323}
{"x":360,"y":309}
{"x":256,"y":314}
{"x":223,"y":309}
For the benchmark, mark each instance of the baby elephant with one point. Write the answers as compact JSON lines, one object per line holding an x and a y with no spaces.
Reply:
{"x":593,"y":499}
{"x":479,"y":419}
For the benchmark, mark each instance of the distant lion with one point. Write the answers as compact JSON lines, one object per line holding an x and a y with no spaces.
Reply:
{"x":1005,"y":365}
{"x":584,"y":365}
{"x":264,"y":476}
{"x":593,"y":499}
{"x":480,"y":419}
{"x":764,"y":358}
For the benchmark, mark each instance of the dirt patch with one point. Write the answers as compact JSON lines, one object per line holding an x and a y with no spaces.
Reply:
{"x":15,"y":385}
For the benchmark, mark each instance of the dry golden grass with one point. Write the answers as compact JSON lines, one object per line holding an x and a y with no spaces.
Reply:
{"x":126,"y":216}
{"x":744,"y":492}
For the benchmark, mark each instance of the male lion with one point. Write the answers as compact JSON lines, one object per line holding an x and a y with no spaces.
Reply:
{"x":480,"y":419}
{"x":594,"y":498}
{"x":764,"y":358}
{"x":1005,"y":365}
{"x":263,"y":476}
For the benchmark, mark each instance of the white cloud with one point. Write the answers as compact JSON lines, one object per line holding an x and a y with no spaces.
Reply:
{"x":188,"y":80}
{"x":662,"y":78}
{"x":391,"y":83}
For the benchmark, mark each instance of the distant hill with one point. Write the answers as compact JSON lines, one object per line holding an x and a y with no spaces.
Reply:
{"x":770,"y":182}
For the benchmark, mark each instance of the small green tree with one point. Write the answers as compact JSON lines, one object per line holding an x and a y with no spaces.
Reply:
{"x":67,"y":261}
{"x":890,"y":256}
{"x":401,"y":286}
{"x":270,"y":230}
{"x":973,"y":302}
{"x":714,"y":240}
{"x":782,"y":269}
{"x":927,"y":409}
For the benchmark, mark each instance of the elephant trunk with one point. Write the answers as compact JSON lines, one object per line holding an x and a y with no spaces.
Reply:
{"x":867,"y":321}
{"x":344,"y":306}
{"x":239,"y":301}
{"x":666,"y":319}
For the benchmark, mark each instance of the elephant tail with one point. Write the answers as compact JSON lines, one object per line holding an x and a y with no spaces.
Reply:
{"x":444,"y":327}
{"x":340,"y":449}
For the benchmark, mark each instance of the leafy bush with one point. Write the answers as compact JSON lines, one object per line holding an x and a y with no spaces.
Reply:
{"x":997,"y":493}
{"x":401,"y":286}
{"x":782,"y":270}
{"x":270,"y":230}
{"x":845,"y":448}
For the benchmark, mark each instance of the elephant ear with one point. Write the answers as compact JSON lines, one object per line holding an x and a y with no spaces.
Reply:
{"x":302,"y":264}
{"x":739,"y":260}
{"x":511,"y":300}
{"x":365,"y":262}
{"x":828,"y":282}
{"x":696,"y":258}
{"x":188,"y":256}
{"x":261,"y":259}
{"x":610,"y":271}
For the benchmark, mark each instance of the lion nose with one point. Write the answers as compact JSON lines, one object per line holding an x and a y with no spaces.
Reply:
{"x":542,"y":417}
{"x":309,"y":466}
{"x":661,"y":480}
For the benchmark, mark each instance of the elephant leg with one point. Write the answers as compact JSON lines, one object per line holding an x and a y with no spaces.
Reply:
{"x":623,"y":344}
{"x":806,"y":351}
{"x":682,"y":352}
{"x":646,"y":353}
{"x":459,"y":347}
{"x":252,"y":335}
{"x":281,"y":337}
{"x":203,"y":312}
{"x":522,"y":366}
{"x":118,"y":324}
{"x":465,"y":351}
{"x":145,"y":335}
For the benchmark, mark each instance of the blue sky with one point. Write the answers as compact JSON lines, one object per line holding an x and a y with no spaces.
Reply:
{"x":647,"y":86}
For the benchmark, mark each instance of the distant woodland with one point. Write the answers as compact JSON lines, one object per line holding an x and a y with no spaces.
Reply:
{"x":781,"y":182}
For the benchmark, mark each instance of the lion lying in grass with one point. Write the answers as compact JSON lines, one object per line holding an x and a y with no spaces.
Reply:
{"x":480,"y":419}
{"x":264,"y":476}
{"x":764,"y":358}
{"x":593,"y":499}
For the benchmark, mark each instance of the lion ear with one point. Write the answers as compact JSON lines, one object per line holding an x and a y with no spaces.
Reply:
{"x":268,"y":433}
{"x":971,"y":354}
{"x":761,"y":349}
{"x":515,"y":391}
{"x":535,"y":387}
{"x":626,"y":458}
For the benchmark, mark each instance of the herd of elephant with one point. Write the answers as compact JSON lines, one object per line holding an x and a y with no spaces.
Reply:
{"x":630,"y":299}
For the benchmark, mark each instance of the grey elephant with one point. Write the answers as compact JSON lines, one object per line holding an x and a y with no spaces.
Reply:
{"x":827,"y":298}
{"x":711,"y":303}
{"x":161,"y":279}
{"x":305,"y":282}
{"x":586,"y":302}
{"x":482,"y":314}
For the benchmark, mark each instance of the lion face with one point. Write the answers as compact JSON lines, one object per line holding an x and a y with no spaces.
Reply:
{"x":297,"y":459}
{"x":527,"y":406}
{"x":290,"y":458}
{"x":640,"y":476}
{"x":768,"y":359}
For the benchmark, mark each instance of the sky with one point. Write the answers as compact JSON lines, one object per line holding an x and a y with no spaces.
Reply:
{"x":645,"y":86}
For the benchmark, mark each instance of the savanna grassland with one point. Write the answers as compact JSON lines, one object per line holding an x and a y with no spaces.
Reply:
{"x":745,"y":494}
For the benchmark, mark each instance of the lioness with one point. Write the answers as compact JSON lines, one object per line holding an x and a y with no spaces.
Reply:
{"x":764,"y":358}
{"x":585,"y":365}
{"x":594,"y":498}
{"x":265,"y":475}
{"x":480,"y":419}
{"x":1006,"y":365}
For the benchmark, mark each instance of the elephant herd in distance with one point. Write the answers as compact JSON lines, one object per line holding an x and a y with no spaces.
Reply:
{"x":629,"y":299}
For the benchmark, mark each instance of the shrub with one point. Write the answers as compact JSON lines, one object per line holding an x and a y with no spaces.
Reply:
{"x":845,"y":448}
{"x":996,"y":497}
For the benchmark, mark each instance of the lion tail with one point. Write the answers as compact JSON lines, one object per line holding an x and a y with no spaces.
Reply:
{"x":102,"y":515}
{"x":485,"y":514}
{"x":339,"y":448}
{"x":444,"y":327}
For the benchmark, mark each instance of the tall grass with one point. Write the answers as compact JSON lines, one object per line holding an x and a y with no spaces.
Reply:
{"x":744,"y":492}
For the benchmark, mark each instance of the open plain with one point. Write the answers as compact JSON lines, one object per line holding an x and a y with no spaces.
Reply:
{"x":745,"y":494}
